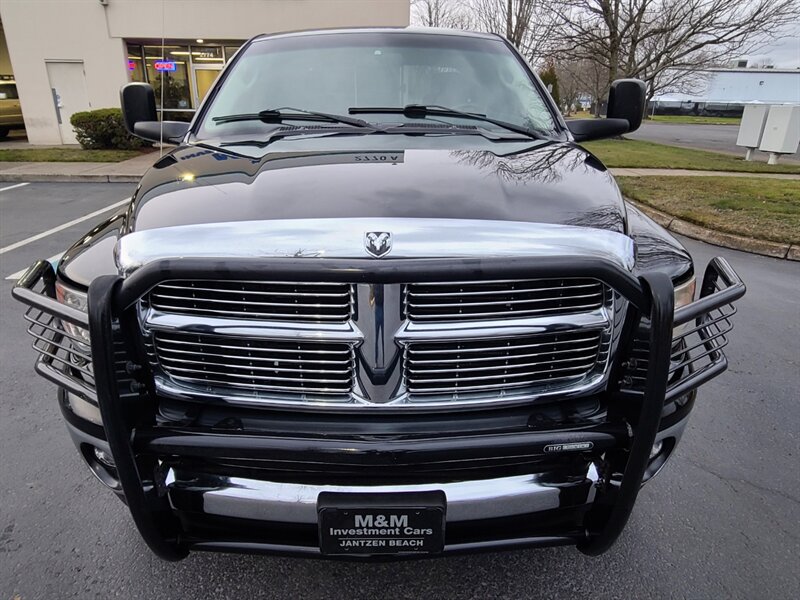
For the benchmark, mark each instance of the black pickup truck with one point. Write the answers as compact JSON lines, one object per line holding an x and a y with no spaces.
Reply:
{"x":378,"y":301}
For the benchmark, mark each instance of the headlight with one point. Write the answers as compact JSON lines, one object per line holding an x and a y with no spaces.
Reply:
{"x":684,"y":294}
{"x":75,"y":299}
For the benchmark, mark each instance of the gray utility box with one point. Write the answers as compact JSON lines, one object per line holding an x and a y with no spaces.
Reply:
{"x":782,"y":131}
{"x":752,"y":127}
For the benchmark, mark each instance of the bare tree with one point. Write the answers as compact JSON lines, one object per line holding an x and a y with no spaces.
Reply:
{"x":647,"y":38}
{"x":440,"y":13}
{"x":528,"y":24}
{"x":579,"y":79}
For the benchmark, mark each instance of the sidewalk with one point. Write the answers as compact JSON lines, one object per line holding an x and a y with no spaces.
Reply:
{"x":130,"y":171}
{"x":626,"y":172}
{"x":127,"y":171}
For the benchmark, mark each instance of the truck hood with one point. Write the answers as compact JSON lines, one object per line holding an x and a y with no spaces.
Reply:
{"x":547,"y":182}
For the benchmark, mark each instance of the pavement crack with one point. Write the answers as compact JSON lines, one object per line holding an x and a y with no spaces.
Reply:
{"x":730,"y":480}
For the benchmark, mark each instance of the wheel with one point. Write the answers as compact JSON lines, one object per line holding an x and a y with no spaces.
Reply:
{"x":4,"y":132}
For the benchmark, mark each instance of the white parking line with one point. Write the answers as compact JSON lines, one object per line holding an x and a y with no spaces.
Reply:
{"x":11,"y":187}
{"x":19,"y":273}
{"x":62,"y":227}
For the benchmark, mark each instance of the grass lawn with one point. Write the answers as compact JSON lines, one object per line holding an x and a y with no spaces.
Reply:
{"x":580,"y":114}
{"x":688,"y":119}
{"x":649,"y":155}
{"x":65,"y":155}
{"x":766,"y":209}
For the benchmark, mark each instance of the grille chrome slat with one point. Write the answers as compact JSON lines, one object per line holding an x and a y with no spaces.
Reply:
{"x":489,"y":359}
{"x":250,"y":376}
{"x":169,"y":353}
{"x":221,"y":290}
{"x":500,"y":302}
{"x":246,"y":314}
{"x":305,"y":350}
{"x":277,"y":301}
{"x":587,"y":358}
{"x":506,"y":314}
{"x":544,"y":370}
{"x":451,"y":302}
{"x":510,"y":345}
{"x":172,"y":362}
{"x":502,"y":385}
{"x":158,"y":297}
{"x":560,"y":358}
{"x":501,"y":291}
{"x":261,"y":388}
{"x":227,"y":362}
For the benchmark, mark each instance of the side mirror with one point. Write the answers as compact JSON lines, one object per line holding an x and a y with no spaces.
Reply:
{"x":626,"y":101}
{"x":625,"y":111}
{"x":141,"y":119}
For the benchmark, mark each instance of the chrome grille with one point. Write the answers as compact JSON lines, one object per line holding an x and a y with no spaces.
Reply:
{"x":256,"y":365}
{"x":502,"y":299}
{"x":316,"y":302}
{"x":493,"y":365}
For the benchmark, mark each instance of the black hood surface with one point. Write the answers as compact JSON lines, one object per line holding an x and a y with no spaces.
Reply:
{"x":544,"y":182}
{"x":547,"y":182}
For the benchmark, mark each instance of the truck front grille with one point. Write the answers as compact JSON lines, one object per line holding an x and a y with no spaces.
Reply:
{"x":251,"y":365}
{"x":501,"y":299}
{"x":291,"y":343}
{"x":314,"y":302}
{"x":499,"y":364}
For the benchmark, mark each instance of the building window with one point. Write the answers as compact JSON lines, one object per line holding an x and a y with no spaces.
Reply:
{"x":8,"y":91}
{"x":207,"y":55}
{"x":135,"y":63}
{"x":196,"y":69}
{"x":177,"y":94}
{"x":230,"y":51}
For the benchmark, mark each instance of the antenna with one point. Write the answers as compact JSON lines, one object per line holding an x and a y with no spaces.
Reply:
{"x":163,"y":57}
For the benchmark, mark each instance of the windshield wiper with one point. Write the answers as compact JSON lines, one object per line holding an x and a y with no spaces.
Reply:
{"x":288,"y":113}
{"x":415,"y":111}
{"x":294,"y":130}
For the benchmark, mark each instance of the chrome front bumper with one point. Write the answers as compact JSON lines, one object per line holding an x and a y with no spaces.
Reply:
{"x":297,"y":503}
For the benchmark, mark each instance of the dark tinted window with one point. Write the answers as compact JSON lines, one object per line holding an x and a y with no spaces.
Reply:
{"x":8,"y":91}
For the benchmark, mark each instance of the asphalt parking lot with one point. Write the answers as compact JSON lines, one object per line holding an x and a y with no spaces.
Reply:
{"x":718,"y":138}
{"x":720,"y":522}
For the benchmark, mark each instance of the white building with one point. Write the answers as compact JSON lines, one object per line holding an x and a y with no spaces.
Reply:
{"x":72,"y":55}
{"x":740,"y":86}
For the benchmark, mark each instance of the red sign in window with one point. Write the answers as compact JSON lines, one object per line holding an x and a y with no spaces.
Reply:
{"x":164,"y":65}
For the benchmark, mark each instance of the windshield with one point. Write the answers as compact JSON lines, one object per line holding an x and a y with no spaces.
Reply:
{"x":334,"y":73}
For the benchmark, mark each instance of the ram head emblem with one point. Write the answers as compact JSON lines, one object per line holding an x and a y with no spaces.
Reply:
{"x":378,"y":243}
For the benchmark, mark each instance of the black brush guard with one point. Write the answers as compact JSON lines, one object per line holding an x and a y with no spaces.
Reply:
{"x":127,"y":402}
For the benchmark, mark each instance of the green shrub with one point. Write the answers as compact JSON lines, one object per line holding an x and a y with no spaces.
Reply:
{"x":549,"y":78}
{"x":103,"y":129}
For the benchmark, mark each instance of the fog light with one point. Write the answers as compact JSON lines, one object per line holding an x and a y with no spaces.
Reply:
{"x":84,"y":409}
{"x":105,"y":458}
{"x":654,"y":451}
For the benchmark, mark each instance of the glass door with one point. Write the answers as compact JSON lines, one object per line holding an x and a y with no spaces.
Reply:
{"x":204,"y":78}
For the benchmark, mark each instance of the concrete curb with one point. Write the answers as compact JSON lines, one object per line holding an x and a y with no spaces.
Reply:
{"x":64,"y":178}
{"x":717,"y":238}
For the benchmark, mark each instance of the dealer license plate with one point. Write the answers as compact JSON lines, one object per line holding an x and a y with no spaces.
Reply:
{"x":389,"y":523}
